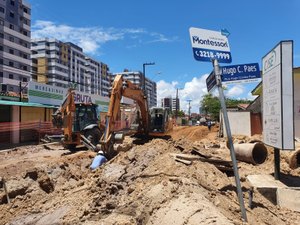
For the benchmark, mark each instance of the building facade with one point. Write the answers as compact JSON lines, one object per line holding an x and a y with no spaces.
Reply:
{"x":171,"y":103}
{"x":167,"y":102}
{"x":136,"y":77}
{"x":175,"y":104}
{"x":15,"y":63}
{"x":63,"y":64}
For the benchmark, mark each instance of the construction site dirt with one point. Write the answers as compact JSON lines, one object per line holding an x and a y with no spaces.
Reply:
{"x":145,"y":184}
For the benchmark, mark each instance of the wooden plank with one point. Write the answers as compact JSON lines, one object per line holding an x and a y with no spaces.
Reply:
{"x":186,"y":162}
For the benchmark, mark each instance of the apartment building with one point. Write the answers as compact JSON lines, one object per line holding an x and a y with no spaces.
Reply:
{"x":171,"y":103}
{"x":136,"y":77}
{"x":63,"y":64}
{"x":15,"y":63}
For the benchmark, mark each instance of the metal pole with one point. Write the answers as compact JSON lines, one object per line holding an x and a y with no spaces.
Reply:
{"x":144,"y":77}
{"x":176,"y":105}
{"x":20,"y":91}
{"x":276,"y":163}
{"x":227,"y":126}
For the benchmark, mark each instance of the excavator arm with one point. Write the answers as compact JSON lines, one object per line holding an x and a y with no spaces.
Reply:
{"x":63,"y":115}
{"x":122,"y":88}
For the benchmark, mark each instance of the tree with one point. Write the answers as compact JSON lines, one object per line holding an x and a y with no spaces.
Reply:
{"x":211,"y":104}
{"x":180,"y":113}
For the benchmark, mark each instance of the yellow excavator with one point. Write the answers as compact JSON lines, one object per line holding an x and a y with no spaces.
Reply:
{"x":79,"y":121}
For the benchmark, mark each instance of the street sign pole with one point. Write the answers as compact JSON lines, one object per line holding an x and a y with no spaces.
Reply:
{"x":228,"y":131}
{"x":276,"y":163}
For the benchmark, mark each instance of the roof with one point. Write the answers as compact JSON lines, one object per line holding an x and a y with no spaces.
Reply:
{"x":26,"y":104}
{"x":242,"y":106}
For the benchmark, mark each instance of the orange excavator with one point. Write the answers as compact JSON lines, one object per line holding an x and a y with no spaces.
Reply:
{"x":153,"y":122}
{"x":80,"y":122}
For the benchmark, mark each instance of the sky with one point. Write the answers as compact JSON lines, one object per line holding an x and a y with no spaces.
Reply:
{"x":126,"y":34}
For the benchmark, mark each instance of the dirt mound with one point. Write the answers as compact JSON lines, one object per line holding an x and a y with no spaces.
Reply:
{"x":193,"y":133}
{"x":144,"y":185}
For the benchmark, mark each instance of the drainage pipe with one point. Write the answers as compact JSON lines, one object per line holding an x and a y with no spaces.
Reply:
{"x":255,"y":153}
{"x":294,"y":159}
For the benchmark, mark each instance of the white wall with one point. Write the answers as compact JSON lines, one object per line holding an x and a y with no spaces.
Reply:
{"x":240,"y":123}
{"x":297,"y":104}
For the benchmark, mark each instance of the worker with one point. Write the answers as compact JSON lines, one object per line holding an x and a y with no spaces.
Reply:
{"x":98,"y":160}
{"x":209,"y":125}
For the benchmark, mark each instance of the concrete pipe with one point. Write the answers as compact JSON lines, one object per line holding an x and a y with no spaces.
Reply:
{"x":255,"y":153}
{"x":294,"y":160}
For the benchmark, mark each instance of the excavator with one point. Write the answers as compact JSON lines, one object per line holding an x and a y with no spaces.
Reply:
{"x":79,"y":121}
{"x":153,"y":122}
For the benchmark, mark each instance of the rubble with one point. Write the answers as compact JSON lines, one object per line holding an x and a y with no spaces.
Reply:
{"x":142,"y":185}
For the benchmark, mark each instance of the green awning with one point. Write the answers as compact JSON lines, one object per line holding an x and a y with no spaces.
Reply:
{"x":26,"y":104}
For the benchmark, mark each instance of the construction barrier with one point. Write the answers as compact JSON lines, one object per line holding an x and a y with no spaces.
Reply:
{"x":26,"y":131}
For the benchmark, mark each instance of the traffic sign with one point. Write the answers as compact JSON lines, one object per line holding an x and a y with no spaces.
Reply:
{"x":244,"y":73}
{"x":211,"y":81}
{"x":208,"y":45}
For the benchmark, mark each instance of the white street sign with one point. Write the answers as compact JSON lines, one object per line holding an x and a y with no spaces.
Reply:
{"x":278,"y":97}
{"x":208,"y":45}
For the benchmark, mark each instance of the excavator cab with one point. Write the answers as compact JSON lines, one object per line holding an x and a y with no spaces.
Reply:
{"x":85,"y":115}
{"x":160,"y":121}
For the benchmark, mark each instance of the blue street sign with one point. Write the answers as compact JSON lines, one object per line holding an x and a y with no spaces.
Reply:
{"x":211,"y":81}
{"x":243,"y":73}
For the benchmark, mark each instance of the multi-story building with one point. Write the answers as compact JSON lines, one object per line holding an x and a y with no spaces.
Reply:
{"x":167,"y":102}
{"x":63,"y":64}
{"x":136,"y":77}
{"x":15,"y":63}
{"x":175,"y":104}
{"x":171,"y":103}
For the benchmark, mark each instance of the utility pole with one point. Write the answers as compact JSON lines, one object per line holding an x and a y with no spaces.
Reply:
{"x":189,"y":101}
{"x":176,"y":105}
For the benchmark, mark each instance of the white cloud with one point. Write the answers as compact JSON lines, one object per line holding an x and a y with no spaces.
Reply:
{"x":250,"y":96}
{"x":193,"y":90}
{"x":92,"y":38}
{"x":235,"y":92}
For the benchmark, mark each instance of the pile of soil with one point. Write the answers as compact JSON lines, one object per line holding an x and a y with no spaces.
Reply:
{"x":143,"y":185}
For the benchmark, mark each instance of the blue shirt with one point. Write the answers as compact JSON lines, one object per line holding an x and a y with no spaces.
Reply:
{"x":98,"y":161}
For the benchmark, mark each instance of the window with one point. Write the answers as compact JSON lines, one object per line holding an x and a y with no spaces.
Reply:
{"x":1,"y":48}
{"x":25,"y":68}
{"x":11,"y":38}
{"x":1,"y":22}
{"x":24,"y":79}
{"x":1,"y":74}
{"x":11,"y":88}
{"x":12,"y":15}
{"x":25,"y":10}
{"x":1,"y":35}
{"x":12,"y":2}
{"x":11,"y":76}
{"x":25,"y":32}
{"x":11,"y":26}
{"x":2,"y":9}
{"x":4,"y":87}
{"x":11,"y":64}
{"x":11,"y":51}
